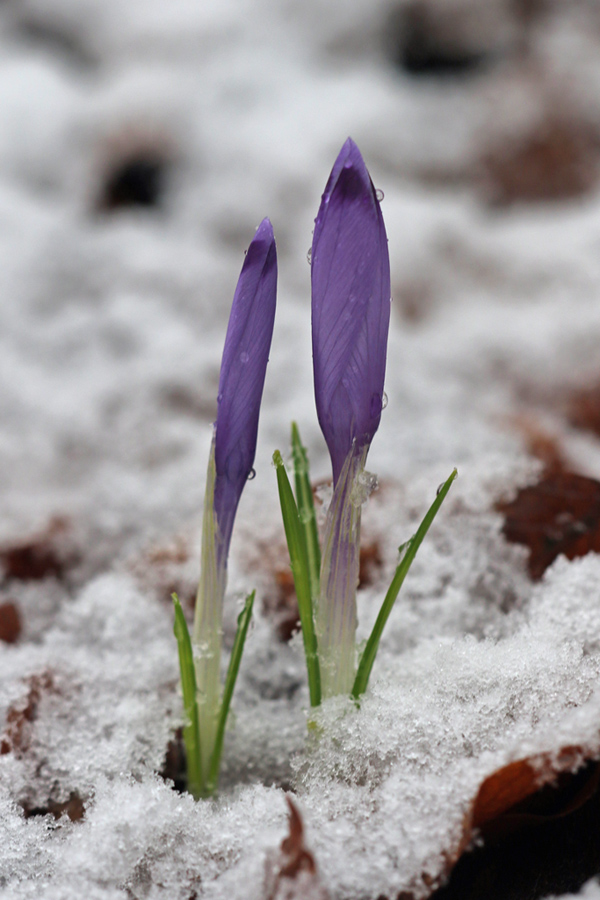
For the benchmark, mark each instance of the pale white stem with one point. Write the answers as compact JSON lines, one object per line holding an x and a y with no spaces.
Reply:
{"x":208,"y":629}
{"x":335,"y":615}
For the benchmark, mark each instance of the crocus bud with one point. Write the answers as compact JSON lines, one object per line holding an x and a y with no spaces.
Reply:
{"x":350,"y":308}
{"x":243,"y":369}
{"x":242,"y":378}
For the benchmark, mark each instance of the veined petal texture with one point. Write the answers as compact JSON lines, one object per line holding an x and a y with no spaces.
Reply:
{"x":350,"y":275}
{"x":242,"y":378}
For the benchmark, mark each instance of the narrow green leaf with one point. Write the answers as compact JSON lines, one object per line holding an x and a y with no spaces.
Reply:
{"x":243,"y":623}
{"x":191,"y":729}
{"x":408,"y":551}
{"x":296,"y":542}
{"x":306,"y":511}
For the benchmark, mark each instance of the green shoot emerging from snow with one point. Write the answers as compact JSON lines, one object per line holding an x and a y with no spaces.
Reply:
{"x":333,"y":671}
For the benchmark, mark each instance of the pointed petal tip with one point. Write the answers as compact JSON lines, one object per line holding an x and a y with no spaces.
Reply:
{"x":350,"y":156}
{"x":264,"y":232}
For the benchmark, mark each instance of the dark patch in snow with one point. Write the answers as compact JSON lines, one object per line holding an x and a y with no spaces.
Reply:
{"x":555,"y":851}
{"x":137,"y":179}
{"x":45,"y":555}
{"x":10,"y":622}
{"x":22,"y":714}
{"x":558,"y":515}
{"x":419,"y":46}
{"x":73,"y":808}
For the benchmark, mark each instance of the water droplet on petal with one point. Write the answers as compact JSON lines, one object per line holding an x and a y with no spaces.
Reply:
{"x":219,"y":397}
{"x":244,"y":357}
{"x":379,"y":194}
{"x":309,"y":256}
{"x":251,"y":474}
{"x":384,"y":400}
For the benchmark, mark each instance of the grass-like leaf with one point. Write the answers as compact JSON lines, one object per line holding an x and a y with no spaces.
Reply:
{"x":306,"y":511}
{"x":296,"y":541}
{"x":191,"y":729}
{"x":407,"y":551}
{"x":243,"y":624}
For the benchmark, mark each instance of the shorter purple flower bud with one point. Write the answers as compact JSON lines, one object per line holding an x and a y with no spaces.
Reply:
{"x":242,"y":378}
{"x":350,"y":274}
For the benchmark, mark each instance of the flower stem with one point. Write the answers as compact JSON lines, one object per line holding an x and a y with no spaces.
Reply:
{"x":336,"y":608}
{"x":207,"y":634}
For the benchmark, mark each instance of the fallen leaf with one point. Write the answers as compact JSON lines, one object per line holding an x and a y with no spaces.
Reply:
{"x":73,"y":808}
{"x":538,"y":817}
{"x":558,"y":515}
{"x":45,"y":555}
{"x":21,"y":715}
{"x":503,"y":794}
{"x":556,"y":159}
{"x":10,"y":622}
{"x":291,"y":874}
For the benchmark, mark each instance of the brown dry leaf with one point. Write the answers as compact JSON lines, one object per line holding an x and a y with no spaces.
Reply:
{"x":280,"y":604}
{"x":538,"y":817}
{"x":73,"y":808}
{"x":582,"y":408}
{"x":540,"y":443}
{"x":291,"y":874}
{"x":43,"y":555}
{"x":535,"y":787}
{"x":10,"y":622}
{"x":21,"y":715}
{"x":559,"y":514}
{"x":556,"y":160}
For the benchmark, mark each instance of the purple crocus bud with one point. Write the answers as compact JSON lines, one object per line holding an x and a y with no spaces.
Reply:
{"x":242,"y":378}
{"x":243,"y":369}
{"x":350,"y":307}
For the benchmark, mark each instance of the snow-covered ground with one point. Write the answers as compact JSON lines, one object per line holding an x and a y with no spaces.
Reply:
{"x":480,"y":121}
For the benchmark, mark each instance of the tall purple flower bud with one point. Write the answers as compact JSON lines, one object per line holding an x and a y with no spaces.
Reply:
{"x":242,"y":377}
{"x":350,"y":320}
{"x":350,"y":277}
{"x":241,"y":382}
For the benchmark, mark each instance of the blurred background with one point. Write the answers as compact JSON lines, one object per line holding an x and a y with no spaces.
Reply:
{"x":140,"y":145}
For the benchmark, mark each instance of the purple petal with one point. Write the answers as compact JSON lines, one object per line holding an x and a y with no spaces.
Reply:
{"x":242,"y":378}
{"x":350,"y":307}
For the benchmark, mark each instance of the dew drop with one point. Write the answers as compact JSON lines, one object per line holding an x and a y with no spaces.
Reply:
{"x":251,"y":474}
{"x":384,"y":400}
{"x":379,"y":194}
{"x":309,"y":256}
{"x":244,"y":357}
{"x":219,"y":397}
{"x":439,"y":488}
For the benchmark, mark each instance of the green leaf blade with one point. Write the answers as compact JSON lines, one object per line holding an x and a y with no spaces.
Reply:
{"x":306,"y":510}
{"x":296,"y":542}
{"x":408,"y":552}
{"x":237,"y":651}
{"x":191,"y":729}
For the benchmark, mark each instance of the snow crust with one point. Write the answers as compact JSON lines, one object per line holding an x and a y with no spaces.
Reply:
{"x":111,"y":329}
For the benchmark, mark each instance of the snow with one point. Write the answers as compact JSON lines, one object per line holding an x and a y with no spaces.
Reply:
{"x":111,"y":328}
